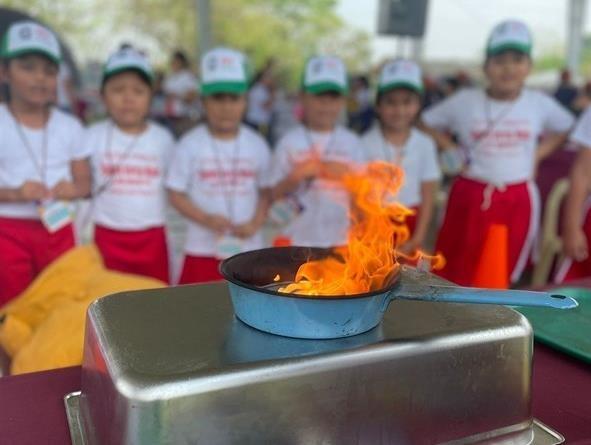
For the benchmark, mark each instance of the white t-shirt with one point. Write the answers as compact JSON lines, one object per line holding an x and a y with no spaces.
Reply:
{"x":324,"y":221}
{"x":63,"y":137}
{"x":180,"y":83}
{"x":581,"y":135}
{"x":257,"y":113}
{"x":220,"y":177}
{"x":500,"y":137}
{"x":128,"y":175}
{"x":418,"y":159}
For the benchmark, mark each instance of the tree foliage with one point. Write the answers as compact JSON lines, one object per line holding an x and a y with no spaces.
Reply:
{"x":287,"y":31}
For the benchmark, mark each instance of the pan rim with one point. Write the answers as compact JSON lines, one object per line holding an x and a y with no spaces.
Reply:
{"x":224,"y":265}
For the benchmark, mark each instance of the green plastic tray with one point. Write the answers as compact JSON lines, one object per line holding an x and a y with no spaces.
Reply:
{"x":566,"y":330}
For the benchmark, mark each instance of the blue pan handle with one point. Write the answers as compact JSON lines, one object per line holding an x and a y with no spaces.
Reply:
{"x":417,"y":285}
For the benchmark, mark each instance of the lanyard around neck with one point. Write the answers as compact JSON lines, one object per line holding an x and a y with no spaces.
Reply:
{"x":387,"y":151}
{"x":491,"y":123}
{"x":327,"y":147}
{"x":109,"y":155}
{"x":39,"y":164}
{"x":227,"y":188}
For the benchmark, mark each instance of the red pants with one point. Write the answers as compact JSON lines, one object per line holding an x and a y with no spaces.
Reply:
{"x":569,"y":269}
{"x":26,"y":247}
{"x":465,"y":226}
{"x":139,"y":252}
{"x":199,"y":269}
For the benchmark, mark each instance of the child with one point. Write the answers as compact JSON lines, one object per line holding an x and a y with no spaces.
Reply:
{"x":395,"y":140}
{"x":499,"y":128}
{"x":576,"y":232}
{"x":311,"y":156}
{"x":42,"y":165}
{"x":181,"y":91}
{"x":129,"y":155}
{"x":216,"y":179}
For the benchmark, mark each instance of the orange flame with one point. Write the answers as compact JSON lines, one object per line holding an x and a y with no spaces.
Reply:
{"x":369,"y":261}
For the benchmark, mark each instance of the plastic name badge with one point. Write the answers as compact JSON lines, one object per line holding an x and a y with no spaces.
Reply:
{"x":284,"y":211}
{"x":55,"y":215}
{"x":228,"y":245}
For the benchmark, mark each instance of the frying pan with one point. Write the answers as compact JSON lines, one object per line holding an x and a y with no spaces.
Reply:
{"x":258,"y":303}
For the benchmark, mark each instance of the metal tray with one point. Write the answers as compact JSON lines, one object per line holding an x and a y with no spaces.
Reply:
{"x":174,"y":366}
{"x":541,"y":433}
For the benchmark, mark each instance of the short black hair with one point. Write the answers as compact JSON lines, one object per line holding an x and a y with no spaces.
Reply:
{"x":6,"y":61}
{"x":363,"y":80}
{"x":181,"y":57}
{"x":139,"y":73}
{"x":381,"y":94}
{"x":328,"y":93}
{"x":505,"y":51}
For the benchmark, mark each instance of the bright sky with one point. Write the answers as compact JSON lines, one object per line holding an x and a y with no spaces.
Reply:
{"x":457,"y":29}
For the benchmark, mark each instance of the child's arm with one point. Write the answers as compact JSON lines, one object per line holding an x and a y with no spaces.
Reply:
{"x":575,"y":241}
{"x":417,"y":240}
{"x":439,"y":119}
{"x":29,"y":191}
{"x":550,"y":144}
{"x":181,"y":202}
{"x":557,"y":123}
{"x":79,"y":187}
{"x":442,"y":139}
{"x":248,"y":229}
{"x":301,"y":171}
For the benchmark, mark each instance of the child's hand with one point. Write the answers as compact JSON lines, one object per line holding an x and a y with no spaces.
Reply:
{"x":246,"y":230}
{"x":307,"y":169}
{"x":65,"y":190}
{"x":575,"y":245}
{"x":32,"y":191}
{"x":409,"y":247}
{"x":218,"y":223}
{"x":334,"y":170}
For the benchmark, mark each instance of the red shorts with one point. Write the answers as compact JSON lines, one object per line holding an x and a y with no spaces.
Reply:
{"x":139,"y":252}
{"x":466,"y":224}
{"x":568,"y":269}
{"x":199,"y":269}
{"x":26,"y":247}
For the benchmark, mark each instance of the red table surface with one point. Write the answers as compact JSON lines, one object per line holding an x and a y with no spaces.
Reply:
{"x":32,"y":408}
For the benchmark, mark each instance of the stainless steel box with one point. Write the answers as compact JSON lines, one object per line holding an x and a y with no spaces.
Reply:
{"x":174,"y":366}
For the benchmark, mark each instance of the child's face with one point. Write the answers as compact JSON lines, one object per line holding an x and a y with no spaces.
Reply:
{"x":224,"y":111}
{"x":398,"y":109}
{"x":322,"y":111}
{"x":127,"y":98}
{"x":32,"y":79}
{"x":507,"y":71}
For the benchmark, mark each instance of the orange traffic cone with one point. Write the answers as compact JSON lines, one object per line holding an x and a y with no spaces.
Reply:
{"x":282,"y":241}
{"x":492,"y":270}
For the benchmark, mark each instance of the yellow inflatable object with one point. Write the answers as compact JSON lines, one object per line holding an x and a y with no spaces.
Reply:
{"x":43,"y":328}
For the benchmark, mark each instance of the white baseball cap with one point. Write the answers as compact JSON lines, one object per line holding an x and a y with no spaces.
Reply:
{"x":323,"y":74}
{"x":401,"y":73}
{"x":127,"y":59}
{"x":224,"y":70}
{"x":509,"y":35}
{"x":28,"y":37}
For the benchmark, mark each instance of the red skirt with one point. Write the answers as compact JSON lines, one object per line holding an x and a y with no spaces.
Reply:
{"x":139,"y":252}
{"x":569,"y":269}
{"x":199,"y":269}
{"x":467,"y":221}
{"x":26,"y":248}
